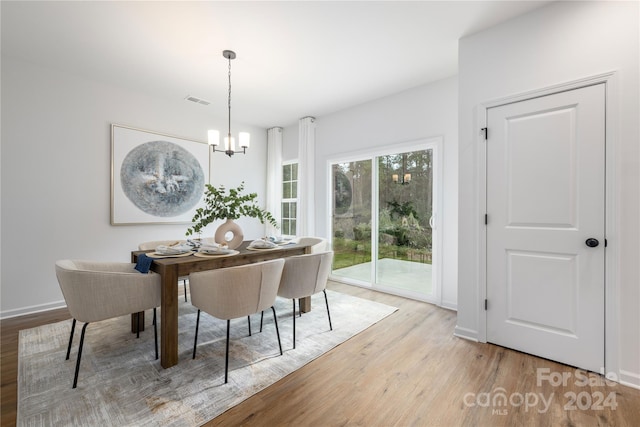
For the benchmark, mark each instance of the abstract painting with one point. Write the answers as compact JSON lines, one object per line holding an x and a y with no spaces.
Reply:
{"x":155,"y":178}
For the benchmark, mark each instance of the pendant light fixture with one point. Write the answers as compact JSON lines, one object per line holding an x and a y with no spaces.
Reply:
{"x":406,"y":176}
{"x":229,"y":141}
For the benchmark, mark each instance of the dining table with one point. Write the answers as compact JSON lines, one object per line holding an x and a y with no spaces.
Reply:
{"x":170,"y":268}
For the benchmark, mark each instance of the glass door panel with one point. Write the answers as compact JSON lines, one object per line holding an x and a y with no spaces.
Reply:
{"x":351,"y":219}
{"x":405,"y":209}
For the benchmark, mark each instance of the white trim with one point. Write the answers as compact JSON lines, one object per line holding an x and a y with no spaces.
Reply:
{"x":434,"y":143}
{"x":449,"y":305}
{"x":612,"y":320}
{"x":467,"y":334}
{"x":630,"y":379}
{"x":32,"y":309}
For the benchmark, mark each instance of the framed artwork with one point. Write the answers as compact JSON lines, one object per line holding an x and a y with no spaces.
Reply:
{"x":155,"y":178}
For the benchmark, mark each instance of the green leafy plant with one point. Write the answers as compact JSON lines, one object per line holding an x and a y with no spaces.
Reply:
{"x":232,"y":205}
{"x":402,"y":209}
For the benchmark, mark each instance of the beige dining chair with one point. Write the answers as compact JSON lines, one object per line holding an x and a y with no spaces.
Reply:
{"x":303,"y":276}
{"x":234,"y":292}
{"x":95,"y":291}
{"x":147,"y":246}
{"x":318,"y":244}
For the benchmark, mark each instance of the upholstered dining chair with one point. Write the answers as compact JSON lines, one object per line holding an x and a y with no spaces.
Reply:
{"x":147,"y":246}
{"x":95,"y":291}
{"x":303,"y":276}
{"x":318,"y":244}
{"x":234,"y":292}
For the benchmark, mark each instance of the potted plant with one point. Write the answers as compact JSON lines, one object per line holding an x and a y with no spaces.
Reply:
{"x":231,"y":205}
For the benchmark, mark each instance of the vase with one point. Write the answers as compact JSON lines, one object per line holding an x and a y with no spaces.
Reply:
{"x":236,"y":234}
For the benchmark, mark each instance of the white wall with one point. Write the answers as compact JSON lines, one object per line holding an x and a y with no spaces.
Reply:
{"x":558,"y":43}
{"x":422,"y":112}
{"x":290,"y":143}
{"x":56,"y":182}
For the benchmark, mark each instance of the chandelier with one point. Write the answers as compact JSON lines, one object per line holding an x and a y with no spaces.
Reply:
{"x":229,"y":141}
{"x":405,"y":178}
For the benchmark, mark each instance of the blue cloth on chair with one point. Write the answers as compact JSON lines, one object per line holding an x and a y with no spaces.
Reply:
{"x":144,"y":263}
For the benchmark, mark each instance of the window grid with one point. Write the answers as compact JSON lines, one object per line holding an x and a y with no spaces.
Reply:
{"x":289,"y":199}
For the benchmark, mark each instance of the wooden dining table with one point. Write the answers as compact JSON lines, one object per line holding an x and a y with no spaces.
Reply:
{"x":170,"y":269}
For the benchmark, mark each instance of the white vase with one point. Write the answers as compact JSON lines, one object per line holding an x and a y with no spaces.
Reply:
{"x":236,"y":234}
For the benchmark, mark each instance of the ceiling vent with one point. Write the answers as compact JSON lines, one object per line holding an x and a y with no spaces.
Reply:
{"x":197,"y":100}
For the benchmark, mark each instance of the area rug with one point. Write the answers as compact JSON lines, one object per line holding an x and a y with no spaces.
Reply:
{"x":121,"y":383}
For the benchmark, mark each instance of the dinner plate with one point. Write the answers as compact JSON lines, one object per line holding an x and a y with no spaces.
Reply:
{"x":262,"y":249}
{"x":206,"y":255}
{"x":157,"y":255}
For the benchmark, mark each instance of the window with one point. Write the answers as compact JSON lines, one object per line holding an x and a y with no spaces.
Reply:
{"x":289,"y":198}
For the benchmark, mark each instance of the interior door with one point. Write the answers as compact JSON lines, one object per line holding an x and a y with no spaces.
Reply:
{"x":545,"y":226}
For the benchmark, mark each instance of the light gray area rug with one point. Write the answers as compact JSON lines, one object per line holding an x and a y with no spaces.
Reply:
{"x":122,"y":384}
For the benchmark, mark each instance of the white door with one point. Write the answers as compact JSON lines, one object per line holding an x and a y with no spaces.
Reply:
{"x":545,"y":226}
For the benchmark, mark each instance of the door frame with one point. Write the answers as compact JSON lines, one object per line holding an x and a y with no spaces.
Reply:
{"x":436,"y":144}
{"x":611,"y":318}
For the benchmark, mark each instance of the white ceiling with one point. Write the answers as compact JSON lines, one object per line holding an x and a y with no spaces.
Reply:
{"x":294,"y":58}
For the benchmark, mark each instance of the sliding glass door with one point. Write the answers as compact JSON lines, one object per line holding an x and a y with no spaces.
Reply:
{"x":383,"y":221}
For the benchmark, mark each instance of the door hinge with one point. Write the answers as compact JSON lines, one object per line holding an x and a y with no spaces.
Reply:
{"x":486,"y":219}
{"x":486,"y":133}
{"x":486,"y":303}
{"x":605,"y":243}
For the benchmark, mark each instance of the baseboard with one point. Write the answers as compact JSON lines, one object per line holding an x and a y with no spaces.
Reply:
{"x":630,"y":379}
{"x":449,"y":305}
{"x":32,"y":309}
{"x":468,"y":334}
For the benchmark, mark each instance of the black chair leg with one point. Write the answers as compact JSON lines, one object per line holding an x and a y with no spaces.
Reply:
{"x":73,"y":328}
{"x":294,"y":323}
{"x":226,"y":358}
{"x":75,"y":378}
{"x":261,"y":318}
{"x":275,"y":321}
{"x":249,"y":322}
{"x":328,"y":314}
{"x":185,"y":289}
{"x":195,"y":340}
{"x":155,"y":331}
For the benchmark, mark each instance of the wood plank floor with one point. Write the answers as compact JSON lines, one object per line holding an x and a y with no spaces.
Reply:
{"x":407,"y":370}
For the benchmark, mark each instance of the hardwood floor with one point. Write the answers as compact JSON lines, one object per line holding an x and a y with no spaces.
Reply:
{"x":407,"y":370}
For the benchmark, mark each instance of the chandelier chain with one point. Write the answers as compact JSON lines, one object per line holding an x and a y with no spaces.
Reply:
{"x":229,"y":102}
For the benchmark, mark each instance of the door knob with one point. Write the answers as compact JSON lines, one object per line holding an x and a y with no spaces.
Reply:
{"x":591,"y":242}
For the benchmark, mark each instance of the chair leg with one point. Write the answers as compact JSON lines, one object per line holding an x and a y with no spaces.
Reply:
{"x":328,"y":314}
{"x":226,"y":358}
{"x":275,"y":321}
{"x":195,"y":340}
{"x":185,"y":289}
{"x":75,"y":378}
{"x":294,"y":323}
{"x":155,"y":331}
{"x":73,"y":328}
{"x":249,"y":322}
{"x":261,"y":318}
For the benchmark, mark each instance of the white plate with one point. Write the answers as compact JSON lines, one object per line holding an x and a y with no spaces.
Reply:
{"x":206,"y":255}
{"x":157,"y":255}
